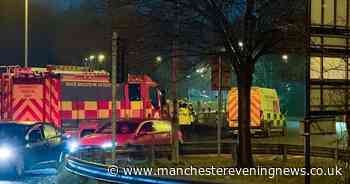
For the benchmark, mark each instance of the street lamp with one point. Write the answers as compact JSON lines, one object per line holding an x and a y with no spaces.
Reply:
{"x":240,"y":44}
{"x":92,"y":57}
{"x":101,"y":58}
{"x":159,"y":58}
{"x":285,"y":57}
{"x":26,"y":10}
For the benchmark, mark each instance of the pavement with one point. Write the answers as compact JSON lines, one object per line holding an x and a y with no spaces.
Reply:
{"x":294,"y":136}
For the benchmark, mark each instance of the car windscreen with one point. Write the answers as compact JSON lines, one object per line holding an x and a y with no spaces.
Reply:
{"x":123,"y":127}
{"x":12,"y":132}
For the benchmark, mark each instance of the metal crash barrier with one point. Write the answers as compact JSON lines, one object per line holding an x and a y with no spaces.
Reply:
{"x":100,"y":172}
{"x":91,"y":169}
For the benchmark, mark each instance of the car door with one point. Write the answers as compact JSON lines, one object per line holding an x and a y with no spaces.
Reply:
{"x":145,"y":134}
{"x":36,"y":146}
{"x":54,"y":142}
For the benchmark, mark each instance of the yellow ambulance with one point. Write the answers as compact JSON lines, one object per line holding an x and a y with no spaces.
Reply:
{"x":265,"y":113}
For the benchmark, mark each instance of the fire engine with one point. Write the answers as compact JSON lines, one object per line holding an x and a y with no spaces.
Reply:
{"x":68,"y":95}
{"x":265,"y":114}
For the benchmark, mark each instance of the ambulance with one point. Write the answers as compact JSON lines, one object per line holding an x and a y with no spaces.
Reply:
{"x":265,"y":113}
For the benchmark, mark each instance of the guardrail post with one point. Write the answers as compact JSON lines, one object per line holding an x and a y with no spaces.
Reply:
{"x":151,"y":155}
{"x":234,"y":150}
{"x":284,"y":152}
{"x":336,"y":154}
{"x":307,"y":149}
{"x":347,"y":173}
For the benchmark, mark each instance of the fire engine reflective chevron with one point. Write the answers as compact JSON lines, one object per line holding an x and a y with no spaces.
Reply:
{"x":38,"y":101}
{"x":51,"y":101}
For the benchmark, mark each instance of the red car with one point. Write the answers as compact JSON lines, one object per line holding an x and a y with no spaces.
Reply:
{"x":85,"y":128}
{"x":138,"y":132}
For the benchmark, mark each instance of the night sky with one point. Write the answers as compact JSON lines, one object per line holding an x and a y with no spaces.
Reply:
{"x":43,"y":25}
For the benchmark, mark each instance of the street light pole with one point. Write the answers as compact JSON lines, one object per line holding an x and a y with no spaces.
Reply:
{"x":26,"y":7}
{"x":219,"y":123}
{"x":114,"y":92}
{"x":174,"y":127}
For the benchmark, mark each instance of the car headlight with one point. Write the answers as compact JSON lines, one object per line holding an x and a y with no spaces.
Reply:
{"x":5,"y":152}
{"x":73,"y":146}
{"x":107,"y":145}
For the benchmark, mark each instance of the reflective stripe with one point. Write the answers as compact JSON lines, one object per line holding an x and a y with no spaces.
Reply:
{"x":255,"y":107}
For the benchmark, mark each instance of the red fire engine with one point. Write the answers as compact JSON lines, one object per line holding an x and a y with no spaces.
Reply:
{"x":67,"y":95}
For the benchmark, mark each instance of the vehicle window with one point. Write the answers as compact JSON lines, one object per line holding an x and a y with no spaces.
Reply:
{"x":134,"y":92}
{"x":35,"y":135}
{"x":162,"y":126}
{"x":153,"y":93}
{"x":120,"y":92}
{"x":49,"y":132}
{"x":123,"y":127}
{"x":147,"y":127}
{"x":86,"y":132}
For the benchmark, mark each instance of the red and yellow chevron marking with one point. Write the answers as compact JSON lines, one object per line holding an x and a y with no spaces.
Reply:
{"x":255,"y":108}
{"x":232,"y":105}
{"x":232,"y":108}
{"x":27,"y":104}
{"x":27,"y":110}
{"x":5,"y":97}
{"x":52,"y":101}
{"x":36,"y":102}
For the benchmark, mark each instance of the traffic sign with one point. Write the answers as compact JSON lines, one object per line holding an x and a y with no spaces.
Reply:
{"x":215,"y":74}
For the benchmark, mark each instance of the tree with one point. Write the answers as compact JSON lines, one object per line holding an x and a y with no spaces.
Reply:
{"x":247,"y":29}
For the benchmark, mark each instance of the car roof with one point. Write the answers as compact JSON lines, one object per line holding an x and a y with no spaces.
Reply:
{"x":27,"y":123}
{"x":143,"y":120}
{"x":132,"y":120}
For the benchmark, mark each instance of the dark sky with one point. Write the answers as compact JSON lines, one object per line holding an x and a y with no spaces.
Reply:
{"x":42,"y":19}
